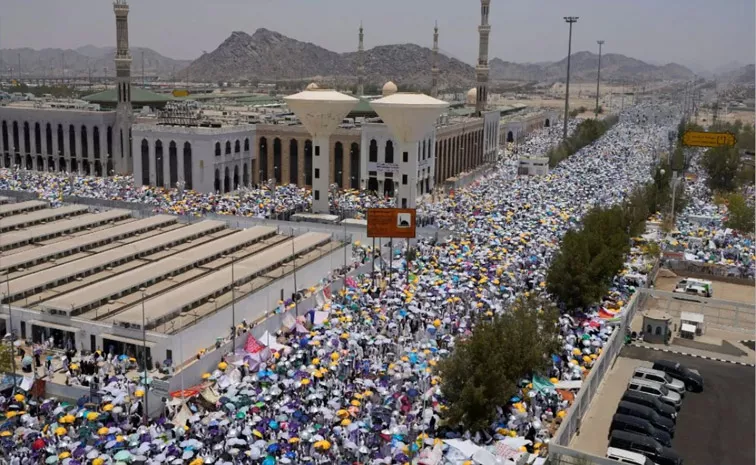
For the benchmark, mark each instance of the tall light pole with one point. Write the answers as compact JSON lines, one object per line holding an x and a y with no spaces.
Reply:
{"x":144,"y":356}
{"x":598,"y":77}
{"x":10,"y":323}
{"x":570,"y":20}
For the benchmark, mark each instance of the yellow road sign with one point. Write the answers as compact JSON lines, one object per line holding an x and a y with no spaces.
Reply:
{"x":708,"y":139}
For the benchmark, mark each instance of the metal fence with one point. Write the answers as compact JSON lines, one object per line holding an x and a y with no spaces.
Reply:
{"x":559,"y":455}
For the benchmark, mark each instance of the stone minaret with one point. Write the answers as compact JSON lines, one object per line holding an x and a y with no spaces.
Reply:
{"x":361,"y":65}
{"x":481,"y":70}
{"x":434,"y":69}
{"x":122,"y":130}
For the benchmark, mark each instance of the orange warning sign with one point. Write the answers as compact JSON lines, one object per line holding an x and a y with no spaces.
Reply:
{"x":391,"y":222}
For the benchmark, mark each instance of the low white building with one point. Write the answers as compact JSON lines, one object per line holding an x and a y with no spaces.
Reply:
{"x":71,"y":136}
{"x":533,"y":166}
{"x":205,"y":159}
{"x":379,"y":160}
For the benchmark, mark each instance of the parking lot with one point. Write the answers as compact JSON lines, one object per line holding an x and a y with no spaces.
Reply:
{"x":722,"y":290}
{"x":715,"y":426}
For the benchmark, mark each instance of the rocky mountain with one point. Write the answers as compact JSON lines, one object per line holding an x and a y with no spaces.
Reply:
{"x":743,"y":75}
{"x":583,"y":66}
{"x":268,"y":55}
{"x":80,"y":62}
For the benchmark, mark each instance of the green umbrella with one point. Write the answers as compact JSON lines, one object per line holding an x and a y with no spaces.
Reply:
{"x":123,"y":455}
{"x":52,"y":459}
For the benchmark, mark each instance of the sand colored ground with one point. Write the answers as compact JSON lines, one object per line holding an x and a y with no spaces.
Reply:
{"x":723,"y":291}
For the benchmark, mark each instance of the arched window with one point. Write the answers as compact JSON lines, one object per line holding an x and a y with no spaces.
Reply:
{"x":50,"y":164}
{"x":27,"y":138}
{"x":424,"y":150}
{"x":159,"y":171}
{"x":109,"y":167}
{"x":226,"y":181}
{"x":217,"y":180}
{"x":245,"y":176}
{"x":338,"y":164}
{"x":246,"y":144}
{"x":74,"y":165}
{"x":110,"y":142}
{"x":308,"y":162}
{"x":658,"y":331}
{"x":236,"y":177}
{"x":16,"y":142}
{"x":61,"y":164}
{"x":72,"y":140}
{"x":29,"y":162}
{"x":172,"y":164}
{"x":40,"y":163}
{"x":48,"y":139}
{"x":293,"y":162}
{"x":263,"y":165}
{"x":5,"y":136}
{"x":277,"y":166}
{"x":389,"y":152}
{"x":217,"y":149}
{"x":97,"y":168}
{"x":96,"y":141}
{"x":37,"y":138}
{"x":228,"y":147}
{"x":145,"y":162}
{"x":84,"y":142}
{"x":237,"y":146}
{"x":354,"y":160}
{"x":649,"y":330}
{"x":188,"y":165}
{"x":373,"y":155}
{"x":61,"y":140}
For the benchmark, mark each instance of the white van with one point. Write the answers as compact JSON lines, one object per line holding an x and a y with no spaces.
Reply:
{"x":659,"y":376}
{"x":657,"y":390}
{"x":626,"y":456}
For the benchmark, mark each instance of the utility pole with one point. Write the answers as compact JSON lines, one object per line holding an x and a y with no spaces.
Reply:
{"x":570,"y":20}
{"x":144,"y":83}
{"x":63,"y":64}
{"x":144,"y":358}
{"x":598,"y":77}
{"x":19,"y":67}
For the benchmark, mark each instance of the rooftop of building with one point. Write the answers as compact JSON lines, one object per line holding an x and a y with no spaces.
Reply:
{"x":139,"y":96}
{"x":53,"y":104}
{"x":94,"y":265}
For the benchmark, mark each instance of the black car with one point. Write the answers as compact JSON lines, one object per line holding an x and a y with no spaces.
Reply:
{"x":647,"y":413}
{"x":692,"y":379}
{"x":640,"y":426}
{"x":647,"y":400}
{"x":645,"y":445}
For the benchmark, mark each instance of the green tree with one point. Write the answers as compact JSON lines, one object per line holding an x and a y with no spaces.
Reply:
{"x":6,"y":357}
{"x":483,"y":371}
{"x":572,"y":276}
{"x":739,"y":214}
{"x":722,"y":165}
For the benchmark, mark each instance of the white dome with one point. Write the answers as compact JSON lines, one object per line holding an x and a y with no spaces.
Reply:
{"x":389,"y":89}
{"x":472,"y":96}
{"x":312,"y":86}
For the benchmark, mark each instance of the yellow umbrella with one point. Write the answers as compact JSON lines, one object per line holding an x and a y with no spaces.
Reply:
{"x":103,"y":431}
{"x":197,"y":461}
{"x":19,"y":397}
{"x":222,"y":365}
{"x":98,"y":461}
{"x":107,"y":407}
{"x":60,"y":431}
{"x":342,"y":413}
{"x":91,"y":416}
{"x":294,"y":440}
{"x":5,"y":434}
{"x":139,"y":393}
{"x":356,"y":403}
{"x":315,"y":361}
{"x":305,"y":382}
{"x":346,"y":422}
{"x":64,"y":455}
{"x":257,"y":433}
{"x":205,"y":375}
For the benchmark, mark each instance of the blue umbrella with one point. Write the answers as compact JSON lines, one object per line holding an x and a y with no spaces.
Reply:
{"x":273,"y":448}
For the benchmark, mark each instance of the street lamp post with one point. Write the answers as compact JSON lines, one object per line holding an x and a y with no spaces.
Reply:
{"x":10,"y":323}
{"x":144,"y":357}
{"x":570,"y":20}
{"x":598,"y":77}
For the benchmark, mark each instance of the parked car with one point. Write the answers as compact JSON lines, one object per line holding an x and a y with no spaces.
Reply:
{"x":692,"y":378}
{"x":659,"y":376}
{"x":701,"y":287}
{"x":647,"y":413}
{"x":645,"y":445}
{"x":647,"y":400}
{"x":621,"y":422}
{"x":626,"y":456}
{"x":655,"y":389}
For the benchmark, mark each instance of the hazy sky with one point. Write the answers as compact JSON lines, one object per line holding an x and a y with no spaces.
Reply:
{"x":706,"y":33}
